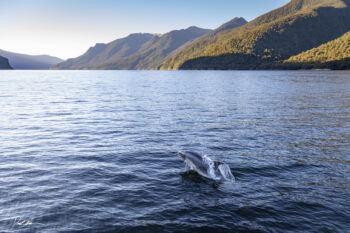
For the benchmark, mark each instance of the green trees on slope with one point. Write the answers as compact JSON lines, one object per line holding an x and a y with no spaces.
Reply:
{"x":334,"y":55}
{"x":271,"y":38}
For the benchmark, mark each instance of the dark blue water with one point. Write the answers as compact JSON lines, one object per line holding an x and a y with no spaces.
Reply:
{"x":90,"y":151}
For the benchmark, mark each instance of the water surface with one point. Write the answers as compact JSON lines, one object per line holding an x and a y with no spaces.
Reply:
{"x":95,"y":151}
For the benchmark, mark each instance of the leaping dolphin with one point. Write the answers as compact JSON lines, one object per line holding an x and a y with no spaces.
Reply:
{"x":206,"y":167}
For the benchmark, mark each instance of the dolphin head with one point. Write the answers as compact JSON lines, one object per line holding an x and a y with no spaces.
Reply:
{"x":182,"y":156}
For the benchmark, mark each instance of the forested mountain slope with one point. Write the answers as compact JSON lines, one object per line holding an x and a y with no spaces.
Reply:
{"x":334,"y":55}
{"x":296,"y":27}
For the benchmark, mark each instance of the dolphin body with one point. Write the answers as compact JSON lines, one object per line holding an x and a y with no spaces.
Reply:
{"x":205,"y":167}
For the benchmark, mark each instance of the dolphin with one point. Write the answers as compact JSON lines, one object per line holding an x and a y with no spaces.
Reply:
{"x":206,"y":167}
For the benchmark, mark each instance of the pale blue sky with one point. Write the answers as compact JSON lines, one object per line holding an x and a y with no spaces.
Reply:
{"x":67,"y":28}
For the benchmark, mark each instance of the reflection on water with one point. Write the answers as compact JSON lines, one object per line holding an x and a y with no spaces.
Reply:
{"x":96,"y":151}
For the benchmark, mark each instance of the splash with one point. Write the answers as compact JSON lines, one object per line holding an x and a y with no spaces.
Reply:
{"x":226,"y":172}
{"x":218,"y":172}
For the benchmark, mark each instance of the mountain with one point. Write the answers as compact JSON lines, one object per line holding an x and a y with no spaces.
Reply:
{"x":334,"y":55}
{"x":137,"y":51}
{"x":153,"y":56}
{"x":30,"y":62}
{"x":266,"y":41}
{"x":105,"y":53}
{"x":4,"y":64}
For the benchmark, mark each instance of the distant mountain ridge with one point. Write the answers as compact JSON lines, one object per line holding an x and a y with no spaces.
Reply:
{"x":30,"y":62}
{"x":4,"y":64}
{"x":104,"y":53}
{"x":136,"y":51}
{"x":271,"y":38}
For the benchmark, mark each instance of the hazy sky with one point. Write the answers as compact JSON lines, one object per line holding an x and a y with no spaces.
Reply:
{"x":67,"y":28}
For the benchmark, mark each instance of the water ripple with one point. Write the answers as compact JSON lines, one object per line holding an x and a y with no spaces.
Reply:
{"x":96,"y":151}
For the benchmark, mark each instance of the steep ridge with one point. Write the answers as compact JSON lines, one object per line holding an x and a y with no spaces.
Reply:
{"x":4,"y":64}
{"x":232,"y":24}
